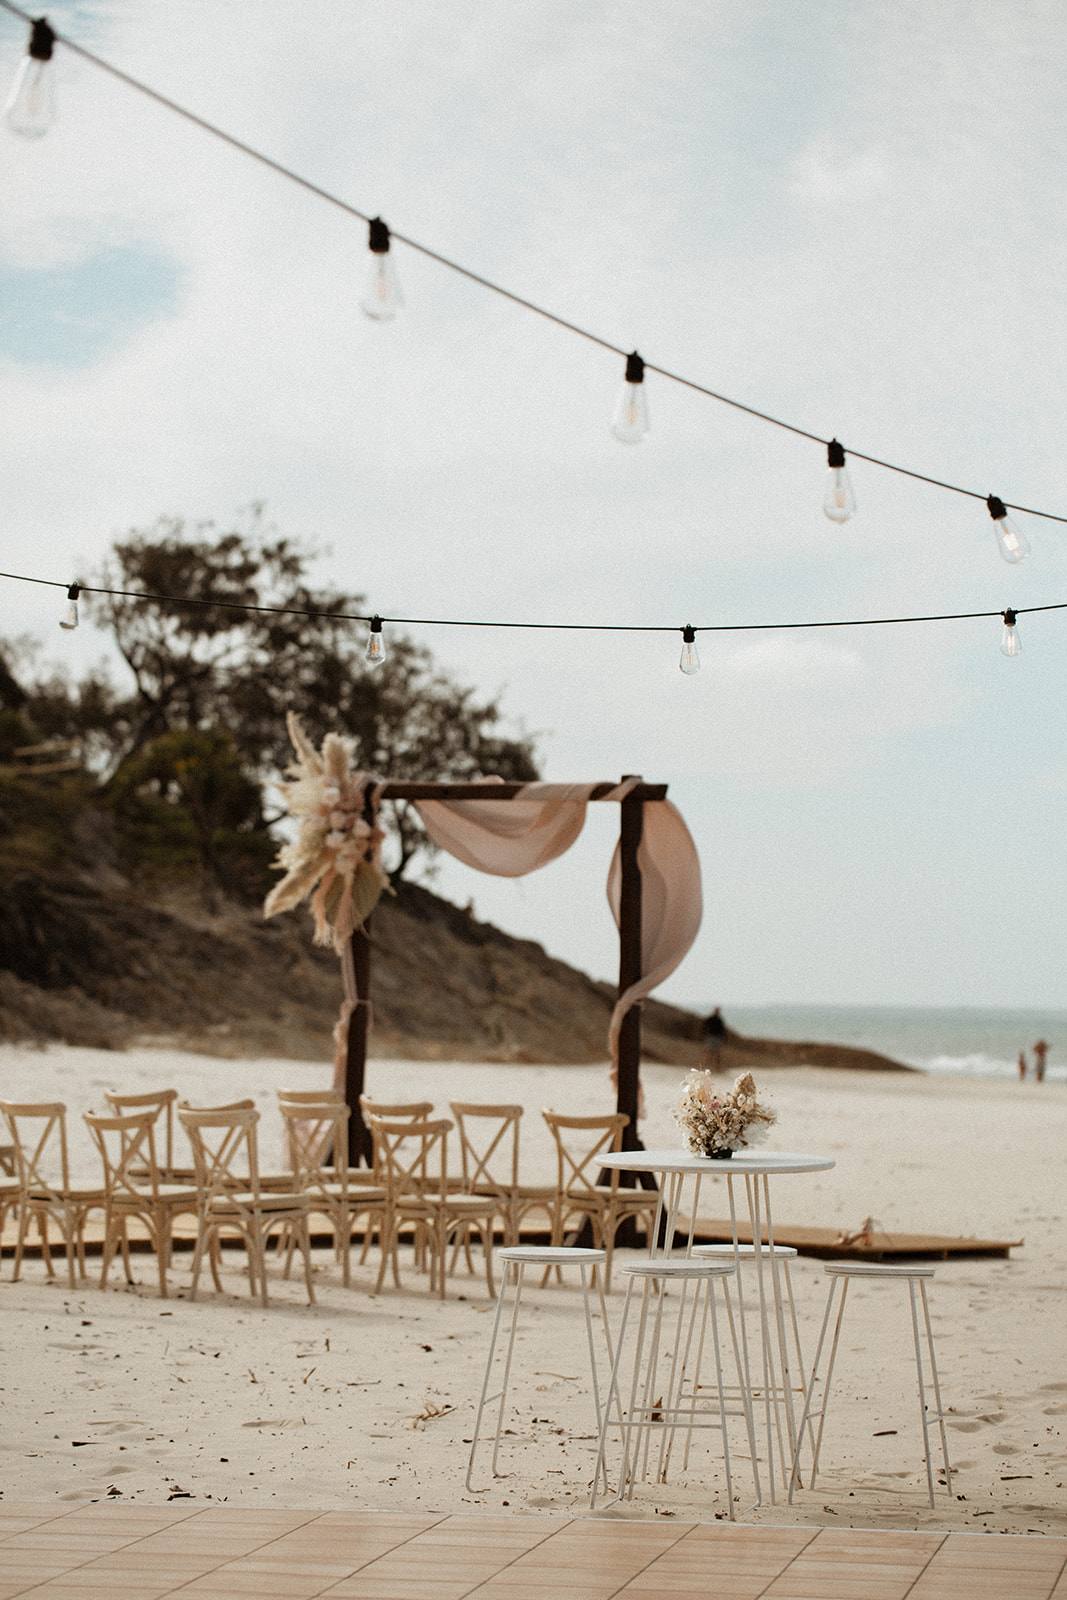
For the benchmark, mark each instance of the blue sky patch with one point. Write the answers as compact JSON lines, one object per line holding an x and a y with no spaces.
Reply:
{"x":79,"y":314}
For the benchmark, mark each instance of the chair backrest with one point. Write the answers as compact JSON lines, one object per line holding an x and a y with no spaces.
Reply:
{"x":411,"y":1157}
{"x":401,"y":1111}
{"x":127,"y":1147}
{"x":311,"y":1097}
{"x":39,"y":1134}
{"x":317,"y":1136}
{"x":225,"y":1148}
{"x":162,"y":1101}
{"x":580,"y":1142}
{"x":488,"y":1145}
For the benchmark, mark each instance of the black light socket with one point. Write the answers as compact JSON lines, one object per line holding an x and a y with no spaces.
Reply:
{"x":42,"y":40}
{"x":635,"y":368}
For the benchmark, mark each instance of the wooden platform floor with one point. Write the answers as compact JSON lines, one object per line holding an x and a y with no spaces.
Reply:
{"x":819,"y":1242}
{"x":823,"y":1242}
{"x":154,"y":1552}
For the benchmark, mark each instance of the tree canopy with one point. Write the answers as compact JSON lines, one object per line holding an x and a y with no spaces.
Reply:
{"x":202,"y":658}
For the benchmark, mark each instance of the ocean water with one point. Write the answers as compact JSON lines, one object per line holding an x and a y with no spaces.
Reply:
{"x":961,"y":1040}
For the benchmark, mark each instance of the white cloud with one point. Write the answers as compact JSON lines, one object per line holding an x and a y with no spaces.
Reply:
{"x":851,"y":220}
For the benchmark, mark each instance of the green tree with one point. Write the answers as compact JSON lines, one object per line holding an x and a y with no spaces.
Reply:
{"x":182,"y":613}
{"x":187,"y":796}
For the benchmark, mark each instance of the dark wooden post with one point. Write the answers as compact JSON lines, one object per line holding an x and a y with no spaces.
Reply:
{"x":360,"y":1143}
{"x":630,"y":829}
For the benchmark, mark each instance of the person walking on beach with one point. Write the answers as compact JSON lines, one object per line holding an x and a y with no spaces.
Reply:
{"x":1022,"y":1065}
{"x":712,"y":1039}
{"x":1040,"y":1052}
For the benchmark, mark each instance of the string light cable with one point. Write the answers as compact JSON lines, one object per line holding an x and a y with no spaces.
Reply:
{"x":689,"y":663}
{"x":631,"y":419}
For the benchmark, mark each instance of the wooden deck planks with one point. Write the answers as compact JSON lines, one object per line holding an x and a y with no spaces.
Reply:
{"x":60,"y":1549}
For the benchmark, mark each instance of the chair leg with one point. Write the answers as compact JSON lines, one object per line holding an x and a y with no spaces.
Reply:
{"x":302,"y":1229}
{"x":162,"y":1241}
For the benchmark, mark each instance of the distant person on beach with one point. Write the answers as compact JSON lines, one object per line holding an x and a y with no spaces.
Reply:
{"x":1022,"y":1065}
{"x":712,"y":1039}
{"x":1040,"y":1052}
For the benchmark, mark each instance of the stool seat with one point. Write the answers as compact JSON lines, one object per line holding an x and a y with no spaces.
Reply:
{"x":550,"y":1255}
{"x":746,"y":1252}
{"x":687,"y":1267}
{"x":840,"y":1274}
{"x":875,"y":1269}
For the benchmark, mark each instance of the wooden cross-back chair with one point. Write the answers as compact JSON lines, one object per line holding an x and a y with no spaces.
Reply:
{"x":392,"y":1111}
{"x":489,"y":1153}
{"x":412,"y":1159}
{"x":231,"y":1198}
{"x":134,"y":1188}
{"x":39,"y":1134}
{"x":161,"y":1102}
{"x":317,"y":1136}
{"x":580,"y":1142}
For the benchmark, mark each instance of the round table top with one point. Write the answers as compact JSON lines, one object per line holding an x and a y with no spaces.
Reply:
{"x":740,"y":1163}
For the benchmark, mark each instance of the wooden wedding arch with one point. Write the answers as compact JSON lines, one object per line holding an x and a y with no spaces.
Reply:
{"x":631,"y":827}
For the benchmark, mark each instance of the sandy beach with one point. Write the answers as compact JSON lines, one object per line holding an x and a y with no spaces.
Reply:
{"x":367,"y":1401}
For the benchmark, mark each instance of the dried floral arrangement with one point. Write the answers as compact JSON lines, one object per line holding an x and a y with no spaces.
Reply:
{"x":715,"y":1123}
{"x":336,"y":855}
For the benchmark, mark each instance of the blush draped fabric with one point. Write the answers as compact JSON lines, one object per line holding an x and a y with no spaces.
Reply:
{"x":512,"y":837}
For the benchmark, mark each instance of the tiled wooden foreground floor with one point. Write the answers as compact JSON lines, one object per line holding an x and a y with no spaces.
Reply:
{"x":148,"y":1552}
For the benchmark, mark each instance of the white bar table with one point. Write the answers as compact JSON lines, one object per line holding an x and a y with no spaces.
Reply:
{"x":756,"y":1167}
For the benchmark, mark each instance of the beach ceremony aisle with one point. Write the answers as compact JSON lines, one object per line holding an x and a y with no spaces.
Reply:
{"x":366,"y":1402}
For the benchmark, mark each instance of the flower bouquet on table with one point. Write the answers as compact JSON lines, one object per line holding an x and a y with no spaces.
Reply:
{"x":715,"y":1123}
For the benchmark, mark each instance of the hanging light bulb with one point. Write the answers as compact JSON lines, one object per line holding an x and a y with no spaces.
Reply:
{"x":383,"y":298}
{"x":630,"y":422}
{"x":1013,"y":545}
{"x":70,"y":620}
{"x":31,"y":105}
{"x":1010,"y":644}
{"x":375,"y":652}
{"x":839,"y":502}
{"x":690,"y":660}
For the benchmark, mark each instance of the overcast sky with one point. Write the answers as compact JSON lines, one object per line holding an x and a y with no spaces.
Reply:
{"x":851,"y":217}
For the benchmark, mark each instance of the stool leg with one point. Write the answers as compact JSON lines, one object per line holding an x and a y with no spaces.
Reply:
{"x":809,"y":1397}
{"x":710,"y":1286}
{"x":489,"y":1367}
{"x":743,"y":1390}
{"x":613,"y":1394}
{"x":643,"y":1440}
{"x":800,"y":1356}
{"x":937,"y":1388}
{"x":926,"y":1419}
{"x":669,"y":1400}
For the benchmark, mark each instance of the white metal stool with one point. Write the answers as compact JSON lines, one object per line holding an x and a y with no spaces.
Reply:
{"x":841,"y":1273}
{"x":783,"y":1306}
{"x":515,"y":1259}
{"x":657,"y":1401}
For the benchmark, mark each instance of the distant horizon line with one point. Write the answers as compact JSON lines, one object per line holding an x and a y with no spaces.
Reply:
{"x":861,"y":1005}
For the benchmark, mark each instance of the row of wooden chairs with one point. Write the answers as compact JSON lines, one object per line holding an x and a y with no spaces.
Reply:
{"x":408,"y":1144}
{"x":409,"y":1190}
